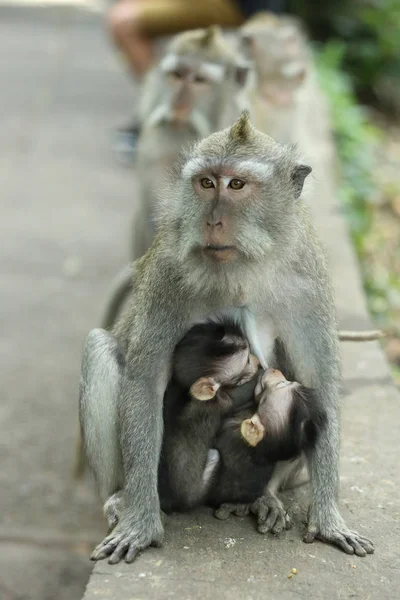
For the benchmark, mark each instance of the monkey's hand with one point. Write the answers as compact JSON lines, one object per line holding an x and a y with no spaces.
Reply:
{"x":336,"y":532}
{"x":271,"y":514}
{"x":129,"y":538}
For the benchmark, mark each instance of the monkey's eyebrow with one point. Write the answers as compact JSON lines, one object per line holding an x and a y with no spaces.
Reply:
{"x":198,"y":165}
{"x":212,"y":71}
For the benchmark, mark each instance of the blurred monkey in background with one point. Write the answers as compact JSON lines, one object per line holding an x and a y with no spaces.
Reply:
{"x":135,"y":24}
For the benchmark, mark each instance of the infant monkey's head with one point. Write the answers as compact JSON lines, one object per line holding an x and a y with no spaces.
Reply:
{"x":287,"y":419}
{"x":213,"y":355}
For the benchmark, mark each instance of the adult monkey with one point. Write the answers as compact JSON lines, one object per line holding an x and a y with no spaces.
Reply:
{"x":281,"y":87}
{"x":235,"y":238}
{"x":192,"y":92}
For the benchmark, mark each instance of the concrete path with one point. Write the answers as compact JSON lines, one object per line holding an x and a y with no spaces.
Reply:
{"x":65,"y":208}
{"x":65,"y":224}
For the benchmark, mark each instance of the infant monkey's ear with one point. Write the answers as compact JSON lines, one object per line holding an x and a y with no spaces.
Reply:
{"x":204,"y":388}
{"x":252,"y":430}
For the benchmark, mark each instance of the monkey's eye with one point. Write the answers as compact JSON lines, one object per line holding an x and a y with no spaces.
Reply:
{"x":206,"y":183}
{"x":282,"y":384}
{"x":176,"y":74}
{"x":200,"y":79}
{"x":237,"y":184}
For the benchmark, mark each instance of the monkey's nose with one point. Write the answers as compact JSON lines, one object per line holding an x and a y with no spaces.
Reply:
{"x":214,"y":224}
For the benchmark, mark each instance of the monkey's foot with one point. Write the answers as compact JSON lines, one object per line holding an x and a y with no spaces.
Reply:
{"x":204,"y":388}
{"x":340,"y":535}
{"x":128,"y":539}
{"x":271,"y":515}
{"x":240,"y":510}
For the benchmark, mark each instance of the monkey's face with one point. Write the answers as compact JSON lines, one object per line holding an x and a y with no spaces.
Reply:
{"x":192,"y":92}
{"x":236,"y":210}
{"x":233,"y":202}
{"x":278,"y":51}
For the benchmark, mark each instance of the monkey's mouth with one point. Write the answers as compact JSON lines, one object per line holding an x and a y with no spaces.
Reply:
{"x":220,"y":252}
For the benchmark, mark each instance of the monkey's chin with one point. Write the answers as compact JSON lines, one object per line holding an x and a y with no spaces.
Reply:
{"x":220,"y":254}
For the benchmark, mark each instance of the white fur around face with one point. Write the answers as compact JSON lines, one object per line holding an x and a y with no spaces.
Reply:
{"x":202,"y":166}
{"x":211,"y":71}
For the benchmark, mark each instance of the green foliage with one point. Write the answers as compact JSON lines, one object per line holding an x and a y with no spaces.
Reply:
{"x":370,"y":30}
{"x":356,"y":142}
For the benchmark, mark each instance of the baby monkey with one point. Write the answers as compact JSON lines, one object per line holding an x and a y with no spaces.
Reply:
{"x":214,"y":375}
{"x":209,"y":407}
{"x":287,"y":420}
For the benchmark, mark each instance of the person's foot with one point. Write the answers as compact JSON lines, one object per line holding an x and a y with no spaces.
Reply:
{"x":125,"y":141}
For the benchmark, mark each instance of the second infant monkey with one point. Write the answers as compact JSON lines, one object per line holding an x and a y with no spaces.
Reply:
{"x":287,"y":419}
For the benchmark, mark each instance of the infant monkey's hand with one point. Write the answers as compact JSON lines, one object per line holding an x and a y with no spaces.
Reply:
{"x":252,"y":430}
{"x":204,"y":388}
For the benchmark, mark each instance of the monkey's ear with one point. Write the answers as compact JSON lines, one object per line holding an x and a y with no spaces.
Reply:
{"x":210,"y":34}
{"x":299,"y":174}
{"x":204,"y":388}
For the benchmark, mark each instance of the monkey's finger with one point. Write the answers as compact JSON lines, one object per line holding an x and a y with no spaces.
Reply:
{"x":309,"y":537}
{"x":118,"y":553}
{"x":132,"y":553}
{"x":261,"y":513}
{"x":223,"y":512}
{"x":104,"y":549}
{"x":107,"y":549}
{"x":366,"y":542}
{"x":241,"y":510}
{"x":272,"y":518}
{"x":358,"y":549}
{"x":340,"y":541}
{"x":280,"y":525}
{"x":361,"y":545}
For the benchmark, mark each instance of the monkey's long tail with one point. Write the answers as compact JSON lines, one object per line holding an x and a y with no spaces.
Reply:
{"x":120,"y":289}
{"x":361,"y":336}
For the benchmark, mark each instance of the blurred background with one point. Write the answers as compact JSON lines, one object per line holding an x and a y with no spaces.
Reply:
{"x":67,"y":200}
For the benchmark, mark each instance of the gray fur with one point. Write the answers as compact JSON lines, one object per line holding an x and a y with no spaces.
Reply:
{"x":279,"y":273}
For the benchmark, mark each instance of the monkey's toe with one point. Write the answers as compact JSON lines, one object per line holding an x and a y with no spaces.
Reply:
{"x":225,"y":510}
{"x":348,"y":541}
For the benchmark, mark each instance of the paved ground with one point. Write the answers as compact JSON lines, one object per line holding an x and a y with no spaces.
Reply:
{"x":64,"y":233}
